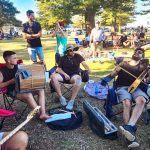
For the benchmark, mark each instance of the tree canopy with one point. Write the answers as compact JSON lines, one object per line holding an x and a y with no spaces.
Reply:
{"x":146,"y":3}
{"x":52,"y":11}
{"x":7,"y":13}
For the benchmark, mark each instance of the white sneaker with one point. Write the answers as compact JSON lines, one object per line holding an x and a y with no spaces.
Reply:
{"x":63,"y":101}
{"x":70,"y":105}
{"x":133,"y":144}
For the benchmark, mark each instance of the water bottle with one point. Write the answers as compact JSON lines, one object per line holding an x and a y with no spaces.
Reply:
{"x":96,"y":90}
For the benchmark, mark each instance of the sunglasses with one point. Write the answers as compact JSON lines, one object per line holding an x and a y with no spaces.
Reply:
{"x":139,"y":52}
{"x":70,"y":50}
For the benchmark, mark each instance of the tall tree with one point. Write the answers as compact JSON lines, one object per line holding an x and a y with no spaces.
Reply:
{"x":146,"y":3}
{"x":7,"y":13}
{"x":63,"y":9}
{"x":118,"y":12}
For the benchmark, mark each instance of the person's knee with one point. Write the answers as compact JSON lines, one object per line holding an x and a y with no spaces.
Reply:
{"x":140,"y":101}
{"x":127,"y":104}
{"x":78,"y":81}
{"x":54,"y":77}
{"x":22,"y":137}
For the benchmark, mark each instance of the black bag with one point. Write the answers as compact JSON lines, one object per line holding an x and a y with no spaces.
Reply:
{"x":85,"y":75}
{"x":66,"y":124}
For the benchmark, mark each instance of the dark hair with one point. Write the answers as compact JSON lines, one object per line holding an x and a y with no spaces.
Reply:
{"x":141,"y":49}
{"x":29,"y":12}
{"x":8,"y":54}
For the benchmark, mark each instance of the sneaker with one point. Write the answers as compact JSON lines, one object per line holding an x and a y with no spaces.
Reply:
{"x":133,"y":144}
{"x":128,"y":131}
{"x":70,"y":105}
{"x":63,"y":101}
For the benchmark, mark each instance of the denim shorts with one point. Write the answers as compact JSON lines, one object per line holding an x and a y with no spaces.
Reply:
{"x":36,"y":51}
{"x":122,"y":94}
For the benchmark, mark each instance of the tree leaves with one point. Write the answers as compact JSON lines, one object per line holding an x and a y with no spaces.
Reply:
{"x":7,"y":13}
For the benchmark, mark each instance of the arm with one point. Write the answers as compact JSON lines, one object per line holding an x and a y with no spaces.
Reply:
{"x":61,"y":30}
{"x":27,"y":36}
{"x":5,"y":84}
{"x":85,"y":66}
{"x":38,"y":35}
{"x":59,"y":70}
{"x":53,"y":34}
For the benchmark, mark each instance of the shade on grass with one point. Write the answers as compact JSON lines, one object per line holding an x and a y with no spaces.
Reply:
{"x":19,"y":46}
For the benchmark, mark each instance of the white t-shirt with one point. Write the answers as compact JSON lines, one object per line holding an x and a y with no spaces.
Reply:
{"x":97,"y":35}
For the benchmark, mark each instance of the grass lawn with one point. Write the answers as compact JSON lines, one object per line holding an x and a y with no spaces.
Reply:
{"x":41,"y":137}
{"x":19,"y":46}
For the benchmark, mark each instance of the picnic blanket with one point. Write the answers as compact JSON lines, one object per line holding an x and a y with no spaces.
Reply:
{"x":96,"y":89}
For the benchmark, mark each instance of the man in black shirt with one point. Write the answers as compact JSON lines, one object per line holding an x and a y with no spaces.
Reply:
{"x":7,"y":79}
{"x":134,"y":66}
{"x":32,"y":32}
{"x":68,"y":71}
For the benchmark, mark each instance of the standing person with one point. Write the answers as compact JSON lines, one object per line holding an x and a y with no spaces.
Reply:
{"x":61,"y":38}
{"x":96,"y":39}
{"x":115,"y":40}
{"x":32,"y":32}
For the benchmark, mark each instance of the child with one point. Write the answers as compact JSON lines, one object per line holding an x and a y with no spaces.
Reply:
{"x":115,"y":40}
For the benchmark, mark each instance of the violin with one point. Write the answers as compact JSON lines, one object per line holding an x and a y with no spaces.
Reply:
{"x":138,"y":80}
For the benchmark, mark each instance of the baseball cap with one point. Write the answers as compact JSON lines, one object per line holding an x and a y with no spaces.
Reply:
{"x":61,"y":23}
{"x":29,"y":12}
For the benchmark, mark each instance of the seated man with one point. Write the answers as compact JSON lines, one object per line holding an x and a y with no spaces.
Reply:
{"x":17,"y":142}
{"x":7,"y":76}
{"x":134,"y":66}
{"x":68,"y":71}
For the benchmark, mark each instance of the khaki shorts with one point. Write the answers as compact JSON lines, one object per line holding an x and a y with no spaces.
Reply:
{"x":98,"y":46}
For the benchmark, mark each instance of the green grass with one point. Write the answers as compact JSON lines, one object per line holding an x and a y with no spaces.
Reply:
{"x":19,"y":46}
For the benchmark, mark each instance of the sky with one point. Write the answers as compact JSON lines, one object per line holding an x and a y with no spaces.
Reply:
{"x":24,"y":5}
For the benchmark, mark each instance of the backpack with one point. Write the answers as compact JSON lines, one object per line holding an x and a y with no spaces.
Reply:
{"x":66,"y":124}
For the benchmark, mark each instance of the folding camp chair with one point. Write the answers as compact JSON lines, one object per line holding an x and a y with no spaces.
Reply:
{"x":77,"y":41}
{"x":66,"y":86}
{"x":112,"y":101}
{"x":9,"y":101}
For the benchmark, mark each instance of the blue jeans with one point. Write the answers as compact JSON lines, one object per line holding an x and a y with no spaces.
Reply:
{"x":36,"y":51}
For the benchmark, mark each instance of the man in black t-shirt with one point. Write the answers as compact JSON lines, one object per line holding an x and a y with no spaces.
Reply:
{"x":7,"y":79}
{"x":68,"y":71}
{"x":127,"y":72}
{"x":32,"y":32}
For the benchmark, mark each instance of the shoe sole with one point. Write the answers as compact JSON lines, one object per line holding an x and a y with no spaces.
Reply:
{"x":127,"y":134}
{"x":133,"y":145}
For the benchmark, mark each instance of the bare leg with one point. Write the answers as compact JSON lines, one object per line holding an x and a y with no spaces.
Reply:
{"x":27,"y":98}
{"x":41,"y":100}
{"x":94,"y":49}
{"x":18,"y":142}
{"x":55,"y":78}
{"x":137,"y":111}
{"x":76,"y":81}
{"x":126,"y":110}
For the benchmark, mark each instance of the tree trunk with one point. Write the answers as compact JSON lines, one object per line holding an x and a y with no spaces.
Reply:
{"x":89,"y":19}
{"x":114,"y":22}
